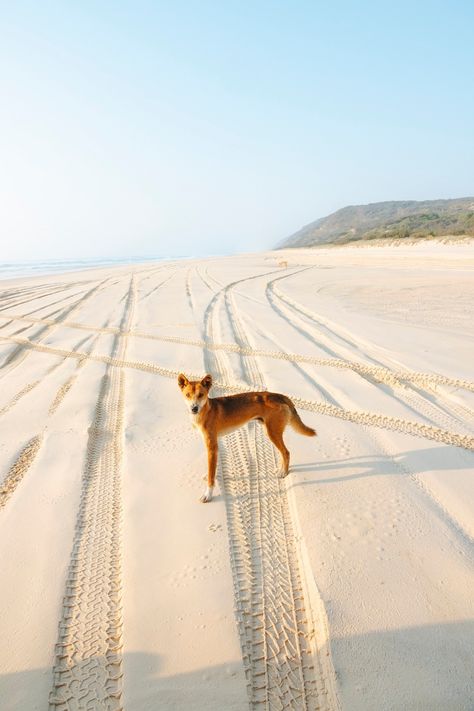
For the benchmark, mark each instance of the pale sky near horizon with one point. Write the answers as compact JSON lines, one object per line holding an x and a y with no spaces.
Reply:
{"x":193,"y":128}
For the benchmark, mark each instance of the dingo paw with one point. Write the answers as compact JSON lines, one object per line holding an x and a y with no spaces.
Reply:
{"x":207,"y":496}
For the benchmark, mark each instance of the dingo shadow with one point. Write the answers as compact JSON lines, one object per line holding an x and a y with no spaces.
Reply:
{"x":143,"y":686}
{"x":416,"y":461}
{"x":425,"y":667}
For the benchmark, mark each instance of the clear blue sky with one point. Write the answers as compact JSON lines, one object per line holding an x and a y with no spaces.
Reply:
{"x":171,"y":128}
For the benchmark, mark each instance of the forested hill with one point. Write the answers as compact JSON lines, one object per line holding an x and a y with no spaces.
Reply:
{"x":391,"y":220}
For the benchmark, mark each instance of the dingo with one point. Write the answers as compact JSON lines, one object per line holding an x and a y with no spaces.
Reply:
{"x":218,"y":416}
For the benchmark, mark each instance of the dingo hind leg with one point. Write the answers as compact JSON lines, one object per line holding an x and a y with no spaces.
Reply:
{"x":275,"y":426}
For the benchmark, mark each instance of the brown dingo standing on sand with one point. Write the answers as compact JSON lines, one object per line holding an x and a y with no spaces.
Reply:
{"x":218,"y":416}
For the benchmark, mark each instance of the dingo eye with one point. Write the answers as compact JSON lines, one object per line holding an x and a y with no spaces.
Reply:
{"x":199,"y":396}
{"x":188,"y":395}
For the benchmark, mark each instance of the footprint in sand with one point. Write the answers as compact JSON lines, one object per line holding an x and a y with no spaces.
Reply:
{"x":214,"y":527}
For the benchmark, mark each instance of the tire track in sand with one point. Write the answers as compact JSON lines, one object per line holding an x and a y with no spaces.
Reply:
{"x":414,"y":396}
{"x":15,"y":399}
{"x":40,"y":292}
{"x":463,"y":534}
{"x":418,"y":398}
{"x":415,"y":388}
{"x":283,"y":666}
{"x":19,"y":354}
{"x":87,"y":673}
{"x":390,"y":376}
{"x":28,"y":454}
{"x":374,"y":419}
{"x":19,"y":468}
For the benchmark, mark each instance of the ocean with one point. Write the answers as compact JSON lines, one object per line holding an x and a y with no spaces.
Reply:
{"x":27,"y":268}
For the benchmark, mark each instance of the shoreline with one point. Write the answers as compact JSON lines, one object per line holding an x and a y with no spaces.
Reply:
{"x":75,"y":266}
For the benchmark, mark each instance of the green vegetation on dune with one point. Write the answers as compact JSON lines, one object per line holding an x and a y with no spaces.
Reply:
{"x":389,"y":220}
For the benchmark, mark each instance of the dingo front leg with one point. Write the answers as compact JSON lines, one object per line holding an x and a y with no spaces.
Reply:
{"x":212,"y":449}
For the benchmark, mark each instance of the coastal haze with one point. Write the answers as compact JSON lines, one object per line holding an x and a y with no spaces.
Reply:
{"x":200,"y":128}
{"x":346,"y":585}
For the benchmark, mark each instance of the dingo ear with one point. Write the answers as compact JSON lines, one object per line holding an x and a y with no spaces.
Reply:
{"x":206,"y":382}
{"x":182,"y":381}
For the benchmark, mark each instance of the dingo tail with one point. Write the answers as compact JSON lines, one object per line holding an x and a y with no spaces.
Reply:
{"x":298,"y":425}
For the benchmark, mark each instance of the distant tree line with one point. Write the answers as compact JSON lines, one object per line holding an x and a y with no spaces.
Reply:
{"x":394,"y":219}
{"x":416,"y":227}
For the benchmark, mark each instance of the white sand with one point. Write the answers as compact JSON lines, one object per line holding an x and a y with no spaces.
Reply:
{"x":347,"y":585}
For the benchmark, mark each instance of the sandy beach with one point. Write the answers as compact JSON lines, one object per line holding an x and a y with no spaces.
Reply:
{"x":347,"y":585}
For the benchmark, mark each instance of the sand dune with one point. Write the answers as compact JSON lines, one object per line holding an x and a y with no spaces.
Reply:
{"x":347,"y":585}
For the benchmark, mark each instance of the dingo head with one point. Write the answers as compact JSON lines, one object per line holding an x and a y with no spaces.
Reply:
{"x":196,"y":391}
